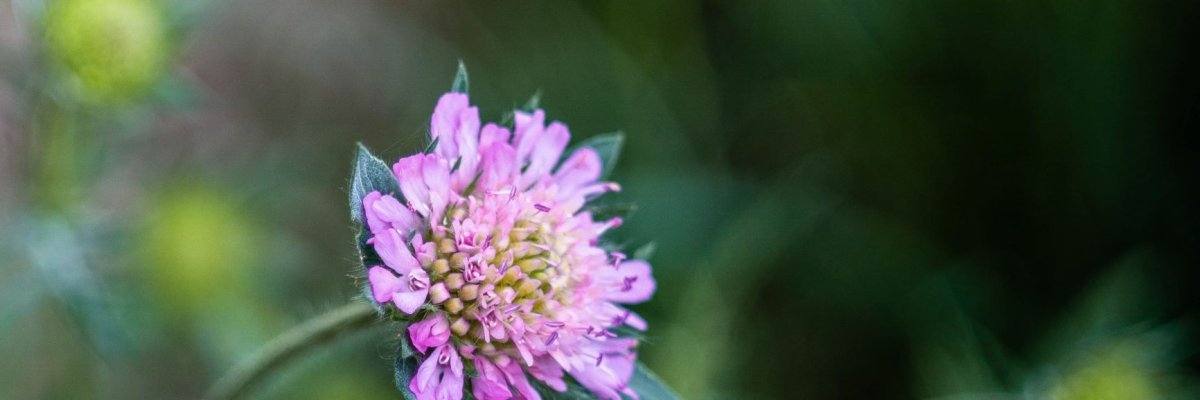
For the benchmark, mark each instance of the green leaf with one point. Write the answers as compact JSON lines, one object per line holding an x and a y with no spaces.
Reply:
{"x":431,"y":146}
{"x":461,"y":82}
{"x":406,"y":366}
{"x":370,"y":174}
{"x":648,"y":386}
{"x":608,"y":146}
{"x":533,"y":103}
{"x":606,"y":211}
{"x":645,"y":252}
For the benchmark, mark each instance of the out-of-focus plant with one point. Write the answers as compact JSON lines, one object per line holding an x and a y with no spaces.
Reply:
{"x":113,"y":51}
{"x":1106,"y":347}
{"x":201,"y":258}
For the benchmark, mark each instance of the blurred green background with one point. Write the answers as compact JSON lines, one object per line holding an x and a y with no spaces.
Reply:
{"x":849,"y":199}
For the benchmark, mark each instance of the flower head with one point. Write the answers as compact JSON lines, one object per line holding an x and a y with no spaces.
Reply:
{"x":489,"y":245}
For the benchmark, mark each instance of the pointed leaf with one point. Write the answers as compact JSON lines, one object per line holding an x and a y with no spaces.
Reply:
{"x":608,"y":146}
{"x":645,"y":252}
{"x":648,"y":386}
{"x":461,"y":82}
{"x":533,"y":103}
{"x":370,"y":174}
{"x":606,"y":211}
{"x":406,"y":366}
{"x":429,"y":148}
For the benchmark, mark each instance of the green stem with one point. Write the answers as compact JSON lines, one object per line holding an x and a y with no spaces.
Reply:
{"x":312,"y":333}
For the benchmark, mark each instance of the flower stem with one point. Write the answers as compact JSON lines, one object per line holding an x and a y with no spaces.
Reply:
{"x":276,"y":353}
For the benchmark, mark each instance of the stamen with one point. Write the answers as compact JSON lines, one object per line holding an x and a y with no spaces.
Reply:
{"x":599,"y":358}
{"x":542,"y":207}
{"x":554,"y":324}
{"x":416,"y":284}
{"x":552,"y":338}
{"x":617,"y":258}
{"x":628,"y":284}
{"x":504,"y":265}
{"x":620,"y":319}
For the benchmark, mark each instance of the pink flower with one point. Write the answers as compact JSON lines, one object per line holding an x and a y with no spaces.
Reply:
{"x":488,"y":234}
{"x":490,"y":383}
{"x":403,"y":282}
{"x":440,"y":377}
{"x":432,"y":332}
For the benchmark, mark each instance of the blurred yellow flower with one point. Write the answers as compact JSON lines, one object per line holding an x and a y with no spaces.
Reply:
{"x":113,"y":49}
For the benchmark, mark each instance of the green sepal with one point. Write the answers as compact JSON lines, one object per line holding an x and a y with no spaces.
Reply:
{"x":607,"y":211}
{"x":533,"y":103}
{"x":370,"y":174}
{"x":645,"y":252}
{"x":429,"y":148}
{"x":462,"y":84}
{"x":407,"y":362}
{"x":649,"y":386}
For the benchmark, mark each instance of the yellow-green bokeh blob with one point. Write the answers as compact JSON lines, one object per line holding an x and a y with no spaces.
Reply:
{"x":200,"y":249}
{"x":1116,"y":374}
{"x":202,"y":262}
{"x":114,"y":50}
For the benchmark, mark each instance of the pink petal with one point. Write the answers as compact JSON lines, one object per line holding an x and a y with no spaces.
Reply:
{"x":489,"y":384}
{"x":582,"y":168}
{"x":546,"y":152}
{"x":635,"y":321}
{"x":409,"y":302}
{"x":499,"y":166}
{"x":640,"y":285}
{"x":386,"y":212}
{"x":395,"y":254}
{"x":374,"y":221}
{"x":383,"y":283}
{"x":528,"y":131}
{"x":467,"y":138}
{"x":548,"y":371}
{"x":444,"y":126}
{"x":433,"y":331}
{"x":412,"y":182}
{"x":517,"y":378}
{"x":437,"y":179}
{"x":422,"y":383}
{"x":492,"y":134}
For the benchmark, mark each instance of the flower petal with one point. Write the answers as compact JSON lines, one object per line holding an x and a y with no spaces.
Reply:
{"x":383,"y":283}
{"x":489,"y":384}
{"x":384,"y":212}
{"x":412,"y":182}
{"x":492,"y":134}
{"x":633,"y":282}
{"x":547,"y":370}
{"x":546,"y":152}
{"x":517,"y":378}
{"x":499,"y":166}
{"x":528,"y":129}
{"x":447,"y":117}
{"x":394,"y":252}
{"x":580,"y":169}
{"x":423,"y":383}
{"x":433,"y":331}
{"x":409,"y":302}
